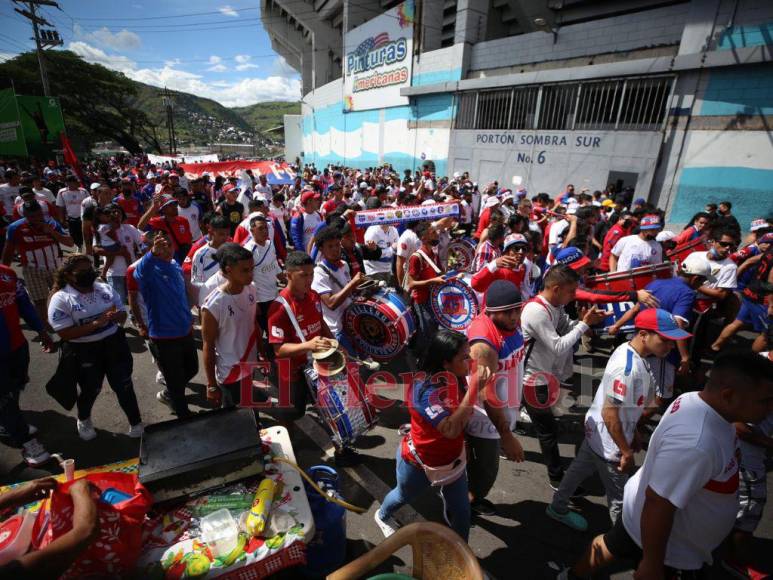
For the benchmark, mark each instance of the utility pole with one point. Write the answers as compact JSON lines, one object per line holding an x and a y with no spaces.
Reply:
{"x":43,"y":39}
{"x":169,"y":105}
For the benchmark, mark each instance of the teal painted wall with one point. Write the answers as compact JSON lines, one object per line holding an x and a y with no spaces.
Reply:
{"x":746,"y":36}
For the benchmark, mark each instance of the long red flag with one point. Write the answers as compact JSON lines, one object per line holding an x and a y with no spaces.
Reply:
{"x":70,"y":158}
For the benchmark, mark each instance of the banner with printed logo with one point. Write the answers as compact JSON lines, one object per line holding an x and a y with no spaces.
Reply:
{"x":12,"y":142}
{"x":378,"y":60}
{"x":405,"y":214}
{"x":42,"y":123}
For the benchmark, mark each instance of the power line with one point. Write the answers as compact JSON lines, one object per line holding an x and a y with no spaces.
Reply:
{"x":178,"y":15}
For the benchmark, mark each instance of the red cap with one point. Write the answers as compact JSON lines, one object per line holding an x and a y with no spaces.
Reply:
{"x":310,"y":195}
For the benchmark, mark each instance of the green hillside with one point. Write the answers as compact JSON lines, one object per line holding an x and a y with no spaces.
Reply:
{"x":263,"y":116}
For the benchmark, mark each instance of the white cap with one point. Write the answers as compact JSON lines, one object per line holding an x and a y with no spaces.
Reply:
{"x":491,"y":201}
{"x":363,"y":185}
{"x":457,"y":174}
{"x":697,"y":265}
{"x":665,"y":235}
{"x":94,"y":185}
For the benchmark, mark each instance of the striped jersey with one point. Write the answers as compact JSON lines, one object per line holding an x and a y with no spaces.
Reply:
{"x":36,"y":248}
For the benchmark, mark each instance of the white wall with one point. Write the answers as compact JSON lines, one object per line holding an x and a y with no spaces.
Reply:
{"x":293,"y":137}
{"x":548,"y":160}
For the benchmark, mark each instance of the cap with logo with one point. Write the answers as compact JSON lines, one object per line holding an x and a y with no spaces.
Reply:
{"x":515,"y":239}
{"x":758,"y":224}
{"x":660,"y":321}
{"x":572,"y":257}
{"x":650,"y":222}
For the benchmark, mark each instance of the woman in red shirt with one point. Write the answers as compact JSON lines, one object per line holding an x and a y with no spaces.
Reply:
{"x":440,"y":408}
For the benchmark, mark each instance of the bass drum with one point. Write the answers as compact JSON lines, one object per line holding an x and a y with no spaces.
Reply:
{"x":380,"y":325}
{"x":454,"y":304}
{"x":461,"y":254}
{"x":344,"y":407}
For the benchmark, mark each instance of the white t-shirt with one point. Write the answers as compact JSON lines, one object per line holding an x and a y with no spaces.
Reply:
{"x":310,"y":223}
{"x":725,"y":271}
{"x":245,"y":225}
{"x":129,"y":237}
{"x":629,"y":385}
{"x":8,"y":193}
{"x":281,"y":214}
{"x":330,"y":280}
{"x":68,"y":307}
{"x":632,"y":252}
{"x":264,"y":191}
{"x":557,"y":232}
{"x":387,"y":241}
{"x":203,"y":265}
{"x":47,"y":193}
{"x":71,"y":201}
{"x":265,"y":269}
{"x":408,"y":244}
{"x":192,"y":214}
{"x":213,"y":282}
{"x":691,"y":462}
{"x":237,"y":332}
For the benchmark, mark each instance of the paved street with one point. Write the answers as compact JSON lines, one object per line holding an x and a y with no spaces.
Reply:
{"x":520,"y":540}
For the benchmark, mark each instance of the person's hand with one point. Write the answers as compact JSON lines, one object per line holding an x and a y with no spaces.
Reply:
{"x":35,"y":490}
{"x":357,"y":280}
{"x":512,"y":448}
{"x":649,"y":571}
{"x":101,"y":321}
{"x":684,"y":367}
{"x":627,"y":462}
{"x":142,"y":329}
{"x":438,"y":280}
{"x":84,"y":516}
{"x":613,"y":330}
{"x":319,"y":343}
{"x":593,"y":316}
{"x":506,"y":262}
{"x":112,"y":313}
{"x":160,"y":246}
{"x":372,"y":245}
{"x":647,"y":298}
{"x":46,"y":342}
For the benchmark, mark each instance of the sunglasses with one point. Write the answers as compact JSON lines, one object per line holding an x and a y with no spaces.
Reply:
{"x":518,"y":249}
{"x":727,"y":244}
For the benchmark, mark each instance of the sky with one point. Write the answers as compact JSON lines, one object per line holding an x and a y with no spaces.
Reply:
{"x":211,"y":49}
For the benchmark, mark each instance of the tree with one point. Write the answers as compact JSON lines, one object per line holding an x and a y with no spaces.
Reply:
{"x":97,"y":103}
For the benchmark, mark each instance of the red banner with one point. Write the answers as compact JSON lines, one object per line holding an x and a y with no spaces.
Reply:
{"x":276,"y":173}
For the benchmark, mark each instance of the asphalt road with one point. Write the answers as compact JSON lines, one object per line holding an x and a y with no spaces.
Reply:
{"x":519,"y":541}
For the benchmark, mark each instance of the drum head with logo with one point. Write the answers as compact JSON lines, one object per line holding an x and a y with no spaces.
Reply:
{"x":461,"y":254}
{"x":454,"y":304}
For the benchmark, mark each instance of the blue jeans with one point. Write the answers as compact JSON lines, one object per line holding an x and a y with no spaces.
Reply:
{"x":411,"y":481}
{"x":118,"y":283}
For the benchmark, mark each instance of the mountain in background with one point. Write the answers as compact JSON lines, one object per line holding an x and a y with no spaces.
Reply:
{"x":267,"y":115}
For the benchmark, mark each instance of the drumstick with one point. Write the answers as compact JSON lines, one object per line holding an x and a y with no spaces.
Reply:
{"x":369,"y":364}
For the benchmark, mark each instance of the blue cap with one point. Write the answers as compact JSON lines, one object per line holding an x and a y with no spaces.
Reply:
{"x":572,"y":257}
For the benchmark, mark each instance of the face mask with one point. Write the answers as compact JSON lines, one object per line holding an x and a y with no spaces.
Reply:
{"x":434,"y":242}
{"x":86,"y":278}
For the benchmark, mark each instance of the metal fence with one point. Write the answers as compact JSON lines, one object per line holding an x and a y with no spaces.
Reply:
{"x":631,"y":104}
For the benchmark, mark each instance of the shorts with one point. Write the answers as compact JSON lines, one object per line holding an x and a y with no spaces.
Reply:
{"x":623,"y":547}
{"x":38,"y":282}
{"x":752,"y":496}
{"x":75,"y":227}
{"x":664,"y":373}
{"x":753,"y":314}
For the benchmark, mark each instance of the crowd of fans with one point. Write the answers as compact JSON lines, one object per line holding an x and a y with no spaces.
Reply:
{"x":266,"y":272}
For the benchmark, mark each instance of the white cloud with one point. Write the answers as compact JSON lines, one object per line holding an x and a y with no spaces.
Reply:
{"x":243,"y":62}
{"x":173,"y":62}
{"x":218,"y":68}
{"x":246,"y":91}
{"x":228,"y":11}
{"x":121,"y":40}
{"x":280,"y":67}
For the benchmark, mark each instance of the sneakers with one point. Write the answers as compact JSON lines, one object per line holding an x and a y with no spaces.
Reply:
{"x":388,"y":526}
{"x":163,"y":397}
{"x":523,"y":416}
{"x":136,"y":431}
{"x":86,"y":430}
{"x":160,"y":378}
{"x":570,"y":519}
{"x":34,"y":453}
{"x":483,"y":507}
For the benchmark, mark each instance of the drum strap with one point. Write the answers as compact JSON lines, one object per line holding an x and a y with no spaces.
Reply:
{"x":332,"y":276}
{"x":429,"y":261}
{"x":293,"y":321}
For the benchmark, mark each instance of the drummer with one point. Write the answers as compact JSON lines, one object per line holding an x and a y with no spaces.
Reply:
{"x":334,"y":283}
{"x":425,"y":271}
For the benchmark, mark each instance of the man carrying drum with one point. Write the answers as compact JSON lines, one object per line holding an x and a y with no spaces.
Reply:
{"x":296,"y":329}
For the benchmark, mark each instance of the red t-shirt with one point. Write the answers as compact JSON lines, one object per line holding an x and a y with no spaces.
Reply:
{"x":613,"y":236}
{"x":177,"y":227}
{"x":308,"y":313}
{"x":429,"y":405}
{"x":419,"y":269}
{"x":132,"y":208}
